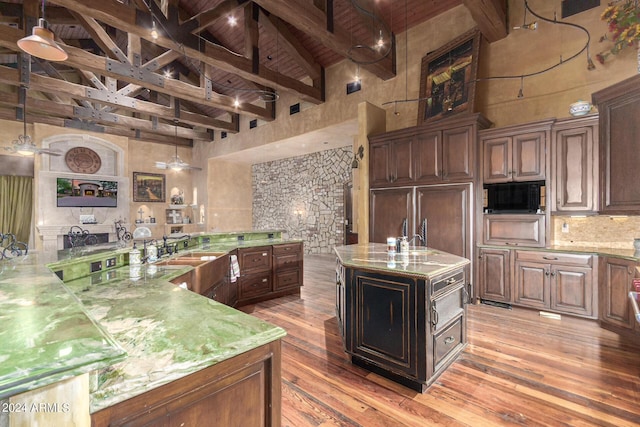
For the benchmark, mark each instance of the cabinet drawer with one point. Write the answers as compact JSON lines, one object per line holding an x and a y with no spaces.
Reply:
{"x":527,"y":230}
{"x":438,"y":284}
{"x":287,"y":279}
{"x":446,"y":342}
{"x":555,"y":258}
{"x":286,"y":262}
{"x":254,"y":259}
{"x":255,"y":285}
{"x":287,"y":248}
{"x":446,"y":308}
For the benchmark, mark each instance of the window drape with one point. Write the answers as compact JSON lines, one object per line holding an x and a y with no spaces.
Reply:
{"x":16,"y":202}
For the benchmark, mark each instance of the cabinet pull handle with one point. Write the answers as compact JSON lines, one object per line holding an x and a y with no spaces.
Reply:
{"x":434,"y":316}
{"x":264,"y":280}
{"x":264,"y":254}
{"x":551,"y":258}
{"x":449,"y":340}
{"x":451,"y":281}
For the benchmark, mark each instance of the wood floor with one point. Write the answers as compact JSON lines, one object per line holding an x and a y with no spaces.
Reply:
{"x":518,"y":369}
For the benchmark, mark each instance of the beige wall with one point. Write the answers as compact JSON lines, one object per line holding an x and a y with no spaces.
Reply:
{"x":230,"y":196}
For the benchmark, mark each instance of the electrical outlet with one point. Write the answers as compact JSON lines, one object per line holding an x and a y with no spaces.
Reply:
{"x":111,"y":262}
{"x":96,"y":266}
{"x":565,"y":227}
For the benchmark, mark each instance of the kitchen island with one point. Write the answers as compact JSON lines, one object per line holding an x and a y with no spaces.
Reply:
{"x":157,"y":353}
{"x":402,"y":316}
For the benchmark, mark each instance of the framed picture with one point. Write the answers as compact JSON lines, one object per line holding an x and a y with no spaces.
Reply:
{"x":448,"y":78}
{"x":148,"y":187}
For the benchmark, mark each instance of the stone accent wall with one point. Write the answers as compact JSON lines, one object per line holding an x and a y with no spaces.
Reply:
{"x":303,"y":196}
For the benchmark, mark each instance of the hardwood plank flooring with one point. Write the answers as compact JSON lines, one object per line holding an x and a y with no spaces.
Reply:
{"x":518,"y":369}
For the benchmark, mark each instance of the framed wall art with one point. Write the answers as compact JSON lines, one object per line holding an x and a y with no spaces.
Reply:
{"x":448,"y":78}
{"x":148,"y":187}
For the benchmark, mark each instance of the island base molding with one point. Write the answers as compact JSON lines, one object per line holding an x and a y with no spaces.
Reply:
{"x":244,"y":390}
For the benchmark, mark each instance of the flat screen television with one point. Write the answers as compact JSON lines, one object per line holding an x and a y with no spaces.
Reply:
{"x":90,"y":193}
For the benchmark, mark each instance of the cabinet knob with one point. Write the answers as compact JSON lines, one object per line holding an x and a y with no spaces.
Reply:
{"x":546,"y":273}
{"x":449,"y":340}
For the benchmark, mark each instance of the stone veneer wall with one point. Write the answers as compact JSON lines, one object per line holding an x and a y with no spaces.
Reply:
{"x":303,"y":196}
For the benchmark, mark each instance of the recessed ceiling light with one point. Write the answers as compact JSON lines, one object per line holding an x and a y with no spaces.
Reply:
{"x":232,"y":20}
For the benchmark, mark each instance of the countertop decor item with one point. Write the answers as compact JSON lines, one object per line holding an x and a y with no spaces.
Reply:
{"x":580,"y":108}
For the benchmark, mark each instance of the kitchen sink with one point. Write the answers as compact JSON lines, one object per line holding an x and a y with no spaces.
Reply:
{"x":204,"y":255}
{"x":192,"y":261}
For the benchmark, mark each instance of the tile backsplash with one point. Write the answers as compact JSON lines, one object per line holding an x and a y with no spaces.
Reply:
{"x":598,"y":230}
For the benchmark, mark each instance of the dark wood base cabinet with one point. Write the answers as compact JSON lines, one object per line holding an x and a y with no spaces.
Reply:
{"x":407,"y":329}
{"x":242,"y":391}
{"x":268,"y":272}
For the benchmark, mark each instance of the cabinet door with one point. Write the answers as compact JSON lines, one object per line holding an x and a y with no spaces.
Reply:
{"x":385,"y":320}
{"x":389,"y":209}
{"x":497,"y":159}
{"x":495,"y":275}
{"x":402,"y":161}
{"x":572,"y":290}
{"x":428,"y":155}
{"x":532,"y":284}
{"x":619,"y":109}
{"x":458,"y":154}
{"x":614,"y":287}
{"x":447,"y":210}
{"x":379,"y":168}
{"x":528,"y":156}
{"x":575,"y":170}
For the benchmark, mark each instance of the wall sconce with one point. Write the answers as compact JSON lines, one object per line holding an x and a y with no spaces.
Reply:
{"x":359,"y":153}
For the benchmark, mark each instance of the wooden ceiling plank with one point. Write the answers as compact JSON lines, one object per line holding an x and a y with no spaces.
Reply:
{"x":100,"y":37}
{"x":120,"y":16}
{"x":47,"y":84}
{"x":274,"y":25}
{"x":311,"y":20}
{"x":491,"y":17}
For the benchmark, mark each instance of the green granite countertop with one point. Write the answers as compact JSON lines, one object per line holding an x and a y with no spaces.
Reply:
{"x":168,"y":332}
{"x":420,"y":261}
{"x":46,"y":333}
{"x":130,"y":327}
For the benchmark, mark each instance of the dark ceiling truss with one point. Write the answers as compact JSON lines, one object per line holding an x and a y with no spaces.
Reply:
{"x":115,"y":81}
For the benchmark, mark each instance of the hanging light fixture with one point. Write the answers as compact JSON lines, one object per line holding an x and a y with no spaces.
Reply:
{"x":23,"y":145}
{"x":176,"y":163}
{"x":41,"y":43}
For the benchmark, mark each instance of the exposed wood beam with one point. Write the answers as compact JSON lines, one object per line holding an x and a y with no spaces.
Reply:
{"x":127,"y":122}
{"x":100,"y":36}
{"x":81,"y":59}
{"x":274,"y":25}
{"x":47,"y":84}
{"x":9,"y":114}
{"x":124,"y":17}
{"x":491,"y":17}
{"x":311,"y":20}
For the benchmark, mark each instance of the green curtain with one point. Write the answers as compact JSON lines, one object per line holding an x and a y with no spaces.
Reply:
{"x":16,"y":201}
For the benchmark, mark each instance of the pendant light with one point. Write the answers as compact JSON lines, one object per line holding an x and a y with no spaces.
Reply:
{"x":41,"y":43}
{"x":23,"y":145}
{"x":176,"y":163}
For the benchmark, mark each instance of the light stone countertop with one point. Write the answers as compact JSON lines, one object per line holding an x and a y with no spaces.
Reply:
{"x":419,"y":261}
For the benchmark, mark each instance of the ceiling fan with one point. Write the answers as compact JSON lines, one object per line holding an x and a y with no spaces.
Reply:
{"x":176,"y":163}
{"x":24,"y":145}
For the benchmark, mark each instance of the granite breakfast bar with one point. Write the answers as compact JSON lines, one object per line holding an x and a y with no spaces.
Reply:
{"x":172,"y":354}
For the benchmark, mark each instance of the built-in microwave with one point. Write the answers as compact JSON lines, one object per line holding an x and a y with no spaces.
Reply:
{"x":514,"y":197}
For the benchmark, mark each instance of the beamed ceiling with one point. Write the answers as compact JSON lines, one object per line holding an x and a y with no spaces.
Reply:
{"x":119,"y":80}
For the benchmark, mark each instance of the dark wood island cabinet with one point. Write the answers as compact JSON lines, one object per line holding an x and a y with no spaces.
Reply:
{"x":402,"y":316}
